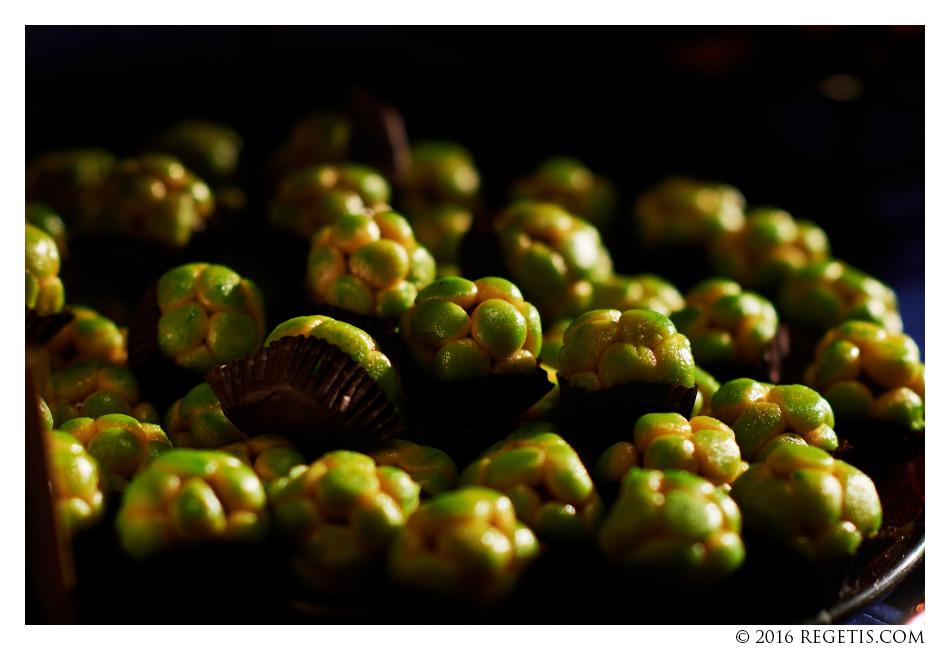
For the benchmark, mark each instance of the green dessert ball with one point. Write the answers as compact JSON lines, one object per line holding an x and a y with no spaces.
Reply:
{"x":431,"y":468}
{"x":803,"y":498}
{"x":545,"y":480}
{"x":69,"y":181}
{"x":623,"y":292}
{"x":189,"y":496}
{"x":702,"y":445}
{"x":196,"y":420}
{"x":604,"y":348}
{"x":458,"y":329}
{"x":370,"y":264}
{"x":682,"y":211}
{"x":553,"y":256}
{"x":360,"y":346}
{"x":76,"y":482}
{"x":759,"y":413}
{"x":212,"y":150}
{"x":45,"y":218}
{"x":465,"y":544}
{"x":210,"y":316}
{"x":92,"y":389}
{"x":570,"y":184}
{"x":89,"y":336}
{"x":318,"y":138}
{"x":441,"y":173}
{"x":44,"y":289}
{"x":673,"y":527}
{"x":340,"y":514}
{"x":270,"y":455}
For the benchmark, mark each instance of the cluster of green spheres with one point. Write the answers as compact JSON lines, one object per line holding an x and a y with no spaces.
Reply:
{"x":93,"y":389}
{"x":764,"y":416}
{"x":442,"y":173}
{"x":152,"y":197}
{"x":69,"y":181}
{"x":270,"y":455}
{"x":865,"y":372}
{"x":369,"y":264}
{"x":433,"y":469}
{"x":554,"y":256}
{"x":212,"y":150}
{"x":645,"y":291}
{"x":44,"y":289}
{"x":90,"y":336}
{"x":725,"y":324}
{"x":46,"y":219}
{"x":210,"y":315}
{"x":682,"y":211}
{"x":319,"y":138}
{"x":573,"y":186}
{"x":458,"y":329}
{"x":605,"y":348}
{"x":78,"y":488}
{"x":197,"y":421}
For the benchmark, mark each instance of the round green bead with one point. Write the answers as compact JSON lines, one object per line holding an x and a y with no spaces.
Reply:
{"x":350,"y":292}
{"x":460,"y":360}
{"x":499,"y":327}
{"x":232,"y":335}
{"x":438,"y":321}
{"x":182,"y":329}
{"x":380,"y":263}
{"x":221,"y":287}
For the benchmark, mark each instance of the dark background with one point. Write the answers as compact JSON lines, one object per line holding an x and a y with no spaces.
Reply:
{"x":736,"y":104}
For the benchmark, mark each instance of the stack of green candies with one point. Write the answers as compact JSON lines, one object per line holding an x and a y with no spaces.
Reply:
{"x":77,"y":484}
{"x":460,"y":329}
{"x":440,"y":191}
{"x":673,"y":528}
{"x":433,"y":469}
{"x":605,"y":348}
{"x":89,"y":336}
{"x":821,"y":295}
{"x":466,"y":544}
{"x":93,"y":389}
{"x":69,"y":181}
{"x":44,"y":289}
{"x":210,"y":316}
{"x":764,"y":416}
{"x":545,"y":480}
{"x":553,"y":256}
{"x":211,"y":150}
{"x":683,"y":211}
{"x":646,"y":291}
{"x":339,"y":515}
{"x":770,"y":246}
{"x":569,"y":183}
{"x":196,"y":420}
{"x":803,"y":498}
{"x":190,"y":496}
{"x":864,"y":372}
{"x":361,"y":347}
{"x":314,"y":197}
{"x":368,"y":264}
{"x":725,"y":324}
{"x":120,"y":443}
{"x":153,"y":197}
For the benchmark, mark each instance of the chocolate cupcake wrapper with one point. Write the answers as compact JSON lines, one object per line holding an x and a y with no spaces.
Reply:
{"x":308,"y":390}
{"x":768,"y":368}
{"x":41,"y":329}
{"x":162,"y":380}
{"x":463,"y":418}
{"x":594,"y":421}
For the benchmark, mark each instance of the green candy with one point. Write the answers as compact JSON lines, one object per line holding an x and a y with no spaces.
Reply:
{"x":349,"y":292}
{"x":462,"y":359}
{"x":499,"y":327}
{"x":395,"y":300}
{"x":220,"y":287}
{"x":182,"y":329}
{"x":231,"y":335}
{"x":76,"y":483}
{"x":380,"y":263}
{"x":352,"y":340}
{"x":437,"y":322}
{"x":453,"y":289}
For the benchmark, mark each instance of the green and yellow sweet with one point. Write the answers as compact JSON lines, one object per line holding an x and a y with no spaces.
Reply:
{"x":545,"y":480}
{"x":763,"y":415}
{"x":866,"y":372}
{"x":725,"y":324}
{"x":553,"y":256}
{"x":361,"y":347}
{"x":770,"y":246}
{"x":93,"y":389}
{"x":569,"y":183}
{"x":458,"y":329}
{"x":340,"y":514}
{"x":210,"y":316}
{"x":44,"y":289}
{"x":188,"y":497}
{"x":673,"y":527}
{"x":646,"y":291}
{"x":89,"y":336}
{"x":703,"y":446}
{"x":605,"y":348}
{"x":319,"y":138}
{"x":271,"y":456}
{"x":211,"y":150}
{"x":314,"y":197}
{"x":682,"y":211}
{"x":153,"y":197}
{"x":69,"y":181}
{"x":121,"y":444}
{"x":821,"y":295}
{"x":433,"y":469}
{"x":803,"y":498}
{"x":441,"y":230}
{"x":45,"y":218}
{"x":616,"y":461}
{"x":197,"y":421}
{"x":76,"y":483}
{"x":466,"y":544}
{"x":442,"y":173}
{"x":707,"y":385}
{"x":368,"y":264}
